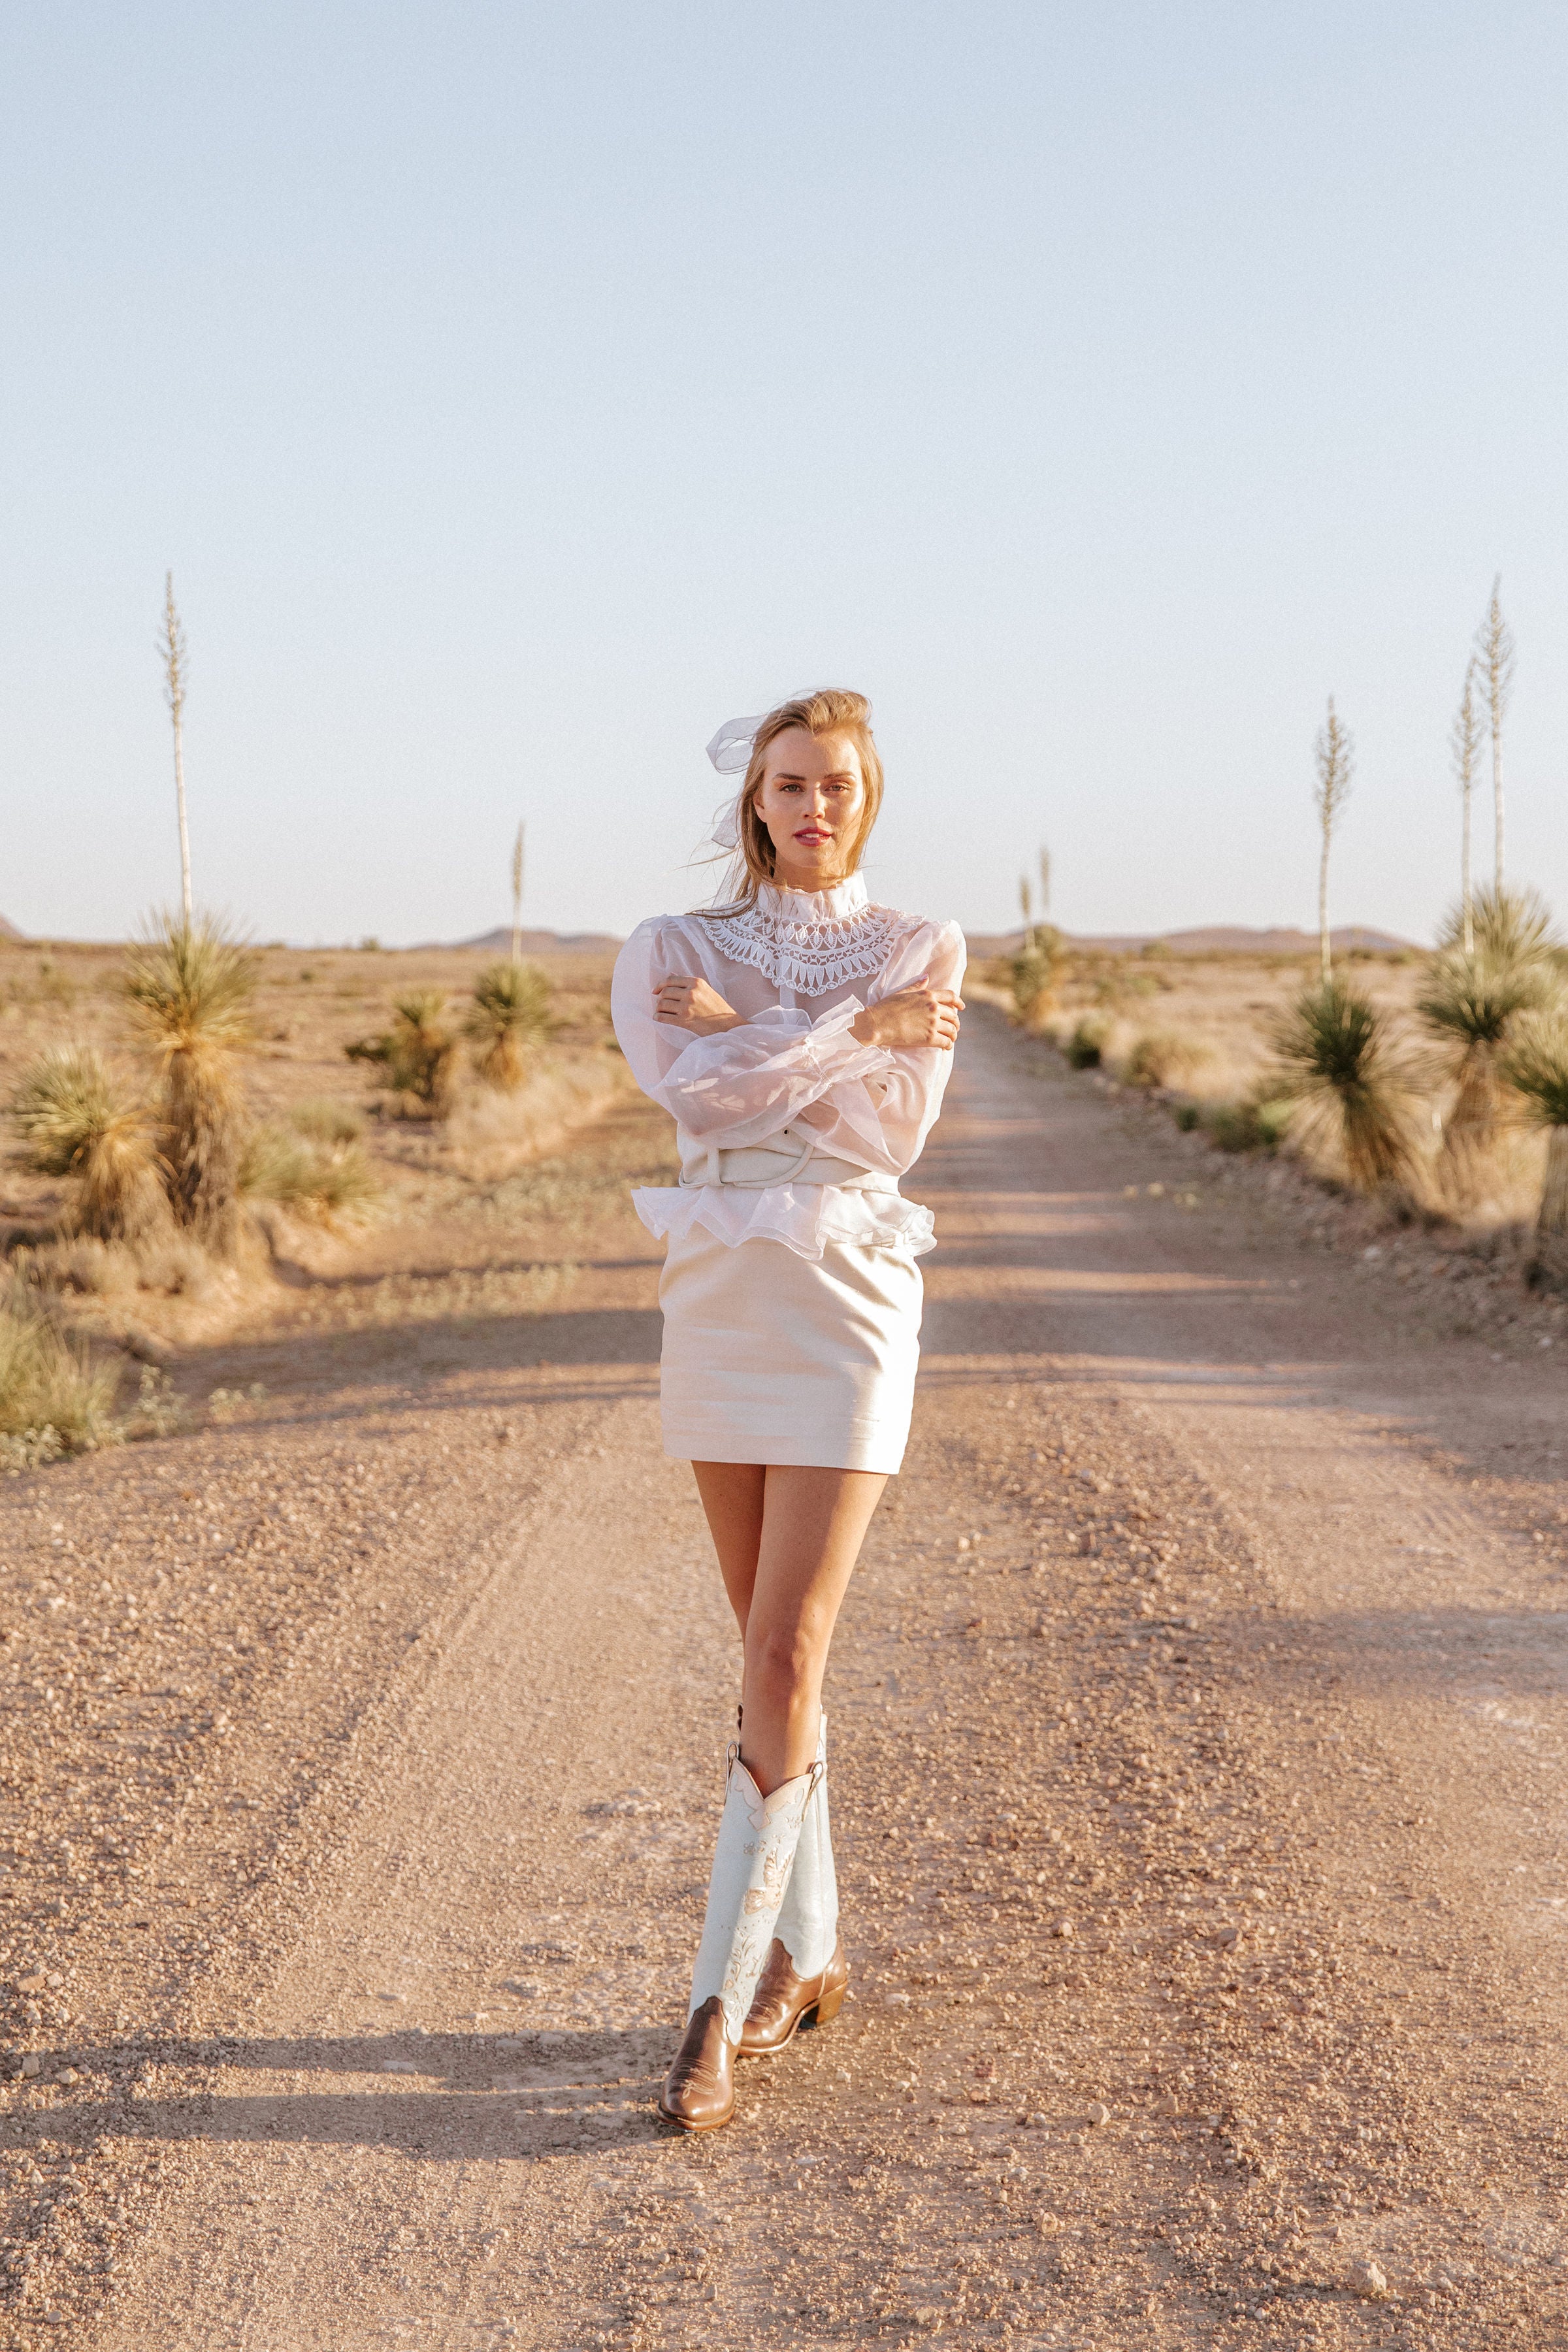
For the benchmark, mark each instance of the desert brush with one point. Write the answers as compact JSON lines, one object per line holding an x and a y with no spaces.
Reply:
{"x":75,"y":1122}
{"x":189,"y":988}
{"x":510,"y":1009}
{"x":418,"y":1052}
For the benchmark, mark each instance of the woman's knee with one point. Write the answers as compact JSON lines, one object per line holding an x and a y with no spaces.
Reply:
{"x":782,"y":1660}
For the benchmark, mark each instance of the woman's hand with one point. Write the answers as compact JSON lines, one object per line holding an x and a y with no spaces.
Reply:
{"x":915,"y":1016}
{"x":688,"y":1003}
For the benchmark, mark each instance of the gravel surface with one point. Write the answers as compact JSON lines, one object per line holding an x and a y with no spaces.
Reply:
{"x":1196,"y":1725}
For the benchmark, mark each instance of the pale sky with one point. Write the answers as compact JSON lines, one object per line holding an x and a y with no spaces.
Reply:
{"x":516,"y":392}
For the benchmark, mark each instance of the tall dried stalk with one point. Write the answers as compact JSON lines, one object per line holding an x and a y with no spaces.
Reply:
{"x":1335,"y":754}
{"x":1495,"y":659}
{"x":177,"y":671}
{"x":517,"y":897}
{"x":1466,"y":743}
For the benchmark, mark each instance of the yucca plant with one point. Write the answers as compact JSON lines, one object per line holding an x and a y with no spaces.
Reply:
{"x":1337,"y":1063}
{"x":418,"y":1052}
{"x":75,"y":1122}
{"x":189,"y":988}
{"x":1536,"y":1067}
{"x":510,"y":1010}
{"x":1473,"y":1001}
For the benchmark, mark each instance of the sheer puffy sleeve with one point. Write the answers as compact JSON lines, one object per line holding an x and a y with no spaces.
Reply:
{"x":884,"y":1121}
{"x":742,"y":1086}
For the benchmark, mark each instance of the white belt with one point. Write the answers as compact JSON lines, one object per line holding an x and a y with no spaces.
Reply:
{"x":793,"y":1160}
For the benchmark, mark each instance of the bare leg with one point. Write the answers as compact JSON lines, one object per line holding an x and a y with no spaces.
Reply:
{"x":785,"y":1569}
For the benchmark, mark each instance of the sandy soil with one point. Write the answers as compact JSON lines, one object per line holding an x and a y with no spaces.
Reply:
{"x":1198,"y":1724}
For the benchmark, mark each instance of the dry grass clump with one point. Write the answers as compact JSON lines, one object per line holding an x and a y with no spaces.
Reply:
{"x":310,"y":1165}
{"x":189,"y":986}
{"x":54,"y":1400}
{"x":1033,"y":974}
{"x":492,"y":1133}
{"x":1162,"y":1058}
{"x":1084,"y":1047}
{"x":510,"y":1010}
{"x":74,"y":1122}
{"x":1338,"y":1065}
{"x":418,"y":1054}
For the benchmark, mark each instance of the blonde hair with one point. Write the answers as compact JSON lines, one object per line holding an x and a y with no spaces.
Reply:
{"x":831,"y":710}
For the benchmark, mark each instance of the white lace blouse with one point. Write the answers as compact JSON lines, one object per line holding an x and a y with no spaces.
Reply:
{"x":799,"y":965}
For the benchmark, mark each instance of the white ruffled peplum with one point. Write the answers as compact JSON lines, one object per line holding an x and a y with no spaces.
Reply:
{"x":805,"y":1217}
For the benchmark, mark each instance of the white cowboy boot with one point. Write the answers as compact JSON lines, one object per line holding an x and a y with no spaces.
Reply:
{"x":751,"y":1863}
{"x":806,"y":1973}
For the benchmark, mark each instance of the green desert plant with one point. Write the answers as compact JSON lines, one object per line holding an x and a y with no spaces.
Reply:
{"x":1084,"y":1047}
{"x":1338,"y":1064}
{"x":189,"y":988}
{"x":327,"y":1122}
{"x":75,"y":1122}
{"x":1473,"y":1005}
{"x":418,"y":1052}
{"x":1255,"y":1124}
{"x":510,"y":1009}
{"x":316,"y":1175}
{"x":1536,"y":1067}
{"x":54,"y":1399}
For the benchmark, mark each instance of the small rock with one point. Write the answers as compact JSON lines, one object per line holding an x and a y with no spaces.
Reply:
{"x":1100,"y":2112}
{"x":1370,"y":2281}
{"x":1062,"y":1928}
{"x":32,"y":2065}
{"x":1048,"y":2225}
{"x":37,"y":1981}
{"x":68,"y":2074}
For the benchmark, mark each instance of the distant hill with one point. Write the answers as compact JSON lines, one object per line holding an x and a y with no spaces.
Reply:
{"x":9,"y":931}
{"x":543,"y":942}
{"x":1220,"y":939}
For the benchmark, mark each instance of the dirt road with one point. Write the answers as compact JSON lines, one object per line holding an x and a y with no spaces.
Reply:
{"x":1197,"y":1728}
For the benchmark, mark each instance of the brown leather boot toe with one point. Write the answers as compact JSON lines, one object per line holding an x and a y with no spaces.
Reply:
{"x":784,"y":2001}
{"x":698,"y":2091}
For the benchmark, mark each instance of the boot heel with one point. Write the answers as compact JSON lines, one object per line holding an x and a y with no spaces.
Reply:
{"x":828,"y":2007}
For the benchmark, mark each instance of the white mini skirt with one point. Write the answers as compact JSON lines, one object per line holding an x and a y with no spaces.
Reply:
{"x":771,"y":1357}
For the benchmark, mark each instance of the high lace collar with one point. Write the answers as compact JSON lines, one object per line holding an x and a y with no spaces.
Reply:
{"x":845,"y":898}
{"x":809,"y":941}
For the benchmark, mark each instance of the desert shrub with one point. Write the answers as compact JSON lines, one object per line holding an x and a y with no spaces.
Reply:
{"x":1510,"y":925}
{"x":327,"y":1122}
{"x":1536,"y":1067}
{"x":1248,"y":1126}
{"x":315,"y":1176}
{"x":1085,"y":1046}
{"x":1339,"y":1065}
{"x":54,"y":1400}
{"x":189,"y":986}
{"x":510,"y":1010}
{"x":1161,"y":1059}
{"x":1033,"y":973}
{"x":74,"y":1122}
{"x":417,"y":1053}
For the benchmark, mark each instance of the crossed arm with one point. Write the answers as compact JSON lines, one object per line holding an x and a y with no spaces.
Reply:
{"x":915,"y":1016}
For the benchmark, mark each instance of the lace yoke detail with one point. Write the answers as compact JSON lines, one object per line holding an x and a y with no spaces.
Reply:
{"x":811,"y":956}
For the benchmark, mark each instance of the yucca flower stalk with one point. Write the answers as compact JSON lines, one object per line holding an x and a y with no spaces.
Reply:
{"x":1495,"y":664}
{"x":1338,"y":1062}
{"x":75,"y":1122}
{"x":189,"y":988}
{"x":510,"y":1010}
{"x":1335,"y":753}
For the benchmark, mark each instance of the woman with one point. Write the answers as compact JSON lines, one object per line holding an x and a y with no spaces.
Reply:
{"x":801,"y":1038}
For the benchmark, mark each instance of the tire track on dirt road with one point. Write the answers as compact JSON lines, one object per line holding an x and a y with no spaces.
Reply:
{"x":1196,"y":1748}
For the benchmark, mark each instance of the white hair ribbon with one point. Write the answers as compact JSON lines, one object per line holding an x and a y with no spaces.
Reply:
{"x":731,"y":752}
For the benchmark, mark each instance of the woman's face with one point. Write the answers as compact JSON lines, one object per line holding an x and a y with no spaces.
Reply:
{"x":811,"y":799}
